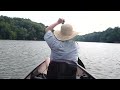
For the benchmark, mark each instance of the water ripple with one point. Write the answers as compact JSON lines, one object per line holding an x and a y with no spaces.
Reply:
{"x":18,"y":58}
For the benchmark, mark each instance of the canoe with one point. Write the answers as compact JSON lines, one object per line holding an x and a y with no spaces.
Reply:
{"x":81,"y":73}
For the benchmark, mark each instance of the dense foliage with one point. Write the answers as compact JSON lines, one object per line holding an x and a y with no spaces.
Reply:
{"x":25,"y":29}
{"x":20,"y":29}
{"x":110,"y":35}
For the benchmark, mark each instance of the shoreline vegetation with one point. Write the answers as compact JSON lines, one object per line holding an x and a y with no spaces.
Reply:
{"x":25,"y":29}
{"x":20,"y":29}
{"x":111,"y":35}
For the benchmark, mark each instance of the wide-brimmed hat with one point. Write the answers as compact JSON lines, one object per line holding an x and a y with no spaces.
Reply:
{"x":66,"y":32}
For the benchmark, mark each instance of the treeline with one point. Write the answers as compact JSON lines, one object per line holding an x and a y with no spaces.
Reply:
{"x":20,"y":29}
{"x":111,"y":35}
{"x":25,"y":29}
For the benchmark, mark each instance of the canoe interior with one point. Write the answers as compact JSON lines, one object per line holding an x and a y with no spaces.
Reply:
{"x":80,"y":74}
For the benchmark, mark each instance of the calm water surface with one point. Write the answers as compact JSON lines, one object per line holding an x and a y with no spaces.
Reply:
{"x":18,"y":58}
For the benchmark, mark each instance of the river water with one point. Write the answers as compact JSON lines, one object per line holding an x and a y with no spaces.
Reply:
{"x":18,"y":58}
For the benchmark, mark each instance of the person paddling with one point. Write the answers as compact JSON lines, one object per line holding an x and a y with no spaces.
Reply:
{"x":64,"y":51}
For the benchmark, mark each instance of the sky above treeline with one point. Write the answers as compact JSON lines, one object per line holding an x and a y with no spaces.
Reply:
{"x":83,"y":21}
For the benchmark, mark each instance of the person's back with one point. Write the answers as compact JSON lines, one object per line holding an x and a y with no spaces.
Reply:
{"x":64,"y":51}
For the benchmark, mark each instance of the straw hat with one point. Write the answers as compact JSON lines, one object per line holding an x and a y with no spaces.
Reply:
{"x":66,"y":32}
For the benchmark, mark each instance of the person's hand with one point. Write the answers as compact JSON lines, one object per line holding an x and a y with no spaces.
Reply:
{"x":60,"y":20}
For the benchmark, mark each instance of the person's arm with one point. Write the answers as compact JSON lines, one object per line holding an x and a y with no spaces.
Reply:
{"x":54,"y":24}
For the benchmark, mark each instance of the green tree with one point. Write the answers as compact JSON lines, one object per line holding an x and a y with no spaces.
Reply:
{"x":20,"y":29}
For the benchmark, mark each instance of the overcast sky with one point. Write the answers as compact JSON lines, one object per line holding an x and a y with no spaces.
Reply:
{"x":82,"y":21}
